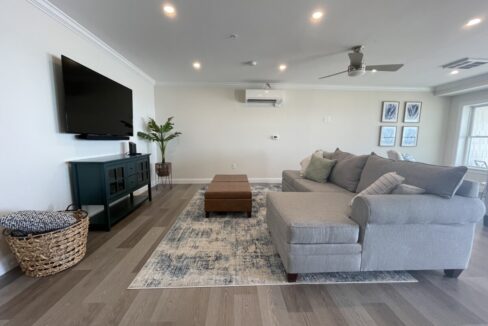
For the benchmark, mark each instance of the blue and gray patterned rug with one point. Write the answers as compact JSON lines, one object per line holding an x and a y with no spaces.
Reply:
{"x":231,"y":250}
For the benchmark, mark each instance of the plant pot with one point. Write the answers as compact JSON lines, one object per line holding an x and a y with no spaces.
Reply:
{"x":163,"y":169}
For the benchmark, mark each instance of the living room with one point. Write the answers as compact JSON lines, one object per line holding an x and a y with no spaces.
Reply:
{"x":251,"y":127}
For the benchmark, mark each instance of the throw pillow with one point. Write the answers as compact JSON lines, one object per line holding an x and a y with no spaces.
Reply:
{"x":384,"y":185}
{"x":438,"y":180}
{"x":32,"y":222}
{"x":306,"y":161}
{"x":319,"y":169}
{"x":404,"y":189}
{"x":348,"y":169}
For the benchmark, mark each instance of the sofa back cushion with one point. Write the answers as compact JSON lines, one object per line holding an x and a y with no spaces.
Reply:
{"x":437,"y":180}
{"x":347,"y":170}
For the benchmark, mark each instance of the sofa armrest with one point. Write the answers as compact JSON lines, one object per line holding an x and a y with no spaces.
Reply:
{"x":416,"y":209}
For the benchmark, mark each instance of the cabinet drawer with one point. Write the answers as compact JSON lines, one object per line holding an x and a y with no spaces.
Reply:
{"x":131,"y":168}
{"x":132,"y":182}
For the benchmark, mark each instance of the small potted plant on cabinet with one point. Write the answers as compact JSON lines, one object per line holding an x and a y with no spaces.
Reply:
{"x":162,"y":135}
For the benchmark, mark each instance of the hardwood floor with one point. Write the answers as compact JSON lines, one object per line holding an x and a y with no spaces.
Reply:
{"x":95,"y":291}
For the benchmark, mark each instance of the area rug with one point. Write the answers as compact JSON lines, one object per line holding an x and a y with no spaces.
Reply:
{"x":231,"y":250}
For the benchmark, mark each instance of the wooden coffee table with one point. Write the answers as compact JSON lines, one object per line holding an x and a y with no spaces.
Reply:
{"x":228,"y":193}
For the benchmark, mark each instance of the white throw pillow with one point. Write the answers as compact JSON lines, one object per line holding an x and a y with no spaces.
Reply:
{"x":306,"y":161}
{"x":384,"y":185}
{"x":404,"y":189}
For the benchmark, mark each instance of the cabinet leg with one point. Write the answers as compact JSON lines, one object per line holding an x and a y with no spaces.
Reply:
{"x":149,"y":191}
{"x":106,"y":207}
{"x":453,"y":273}
{"x":291,"y":277}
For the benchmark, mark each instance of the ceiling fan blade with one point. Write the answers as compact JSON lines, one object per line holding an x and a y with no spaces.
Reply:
{"x":384,"y":67}
{"x":338,"y":73}
{"x":356,"y":58}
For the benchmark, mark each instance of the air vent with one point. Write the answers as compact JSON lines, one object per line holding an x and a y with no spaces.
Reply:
{"x":466,"y":63}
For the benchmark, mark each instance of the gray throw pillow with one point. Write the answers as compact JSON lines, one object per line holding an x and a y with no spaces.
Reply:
{"x":33,"y":222}
{"x":384,"y":185}
{"x":404,"y":189}
{"x":438,"y":180}
{"x":319,"y":169}
{"x":348,"y":169}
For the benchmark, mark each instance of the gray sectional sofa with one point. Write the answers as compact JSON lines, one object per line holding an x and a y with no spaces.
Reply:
{"x":315,"y":229}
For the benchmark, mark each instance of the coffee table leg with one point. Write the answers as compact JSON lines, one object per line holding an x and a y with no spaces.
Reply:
{"x":249,"y":214}
{"x":207,"y":214}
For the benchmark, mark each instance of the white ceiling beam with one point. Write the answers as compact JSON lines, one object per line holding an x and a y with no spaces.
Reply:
{"x":462,"y":86}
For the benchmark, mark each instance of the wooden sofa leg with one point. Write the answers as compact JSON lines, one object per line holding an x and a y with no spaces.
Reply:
{"x":453,"y":273}
{"x":291,"y":277}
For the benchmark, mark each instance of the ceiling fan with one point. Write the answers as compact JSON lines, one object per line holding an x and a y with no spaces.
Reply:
{"x":357,"y":66}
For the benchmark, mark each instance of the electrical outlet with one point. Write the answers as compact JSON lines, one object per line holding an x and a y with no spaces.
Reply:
{"x":327,"y":119}
{"x":234,"y":166}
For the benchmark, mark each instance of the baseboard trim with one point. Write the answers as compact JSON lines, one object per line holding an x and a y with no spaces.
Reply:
{"x":208,"y":180}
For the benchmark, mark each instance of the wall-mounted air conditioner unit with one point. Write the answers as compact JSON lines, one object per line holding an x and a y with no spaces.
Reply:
{"x":265,"y":96}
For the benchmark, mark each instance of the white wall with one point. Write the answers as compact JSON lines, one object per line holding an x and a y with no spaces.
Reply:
{"x":454,"y":142}
{"x":33,"y":169}
{"x":218,"y":130}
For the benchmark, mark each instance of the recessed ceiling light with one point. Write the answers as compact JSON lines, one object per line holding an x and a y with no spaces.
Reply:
{"x":197,"y":65}
{"x":472,"y":22}
{"x":282,"y":67}
{"x":317,"y":16}
{"x":454,"y":72}
{"x":374,"y":70}
{"x":169,"y":10}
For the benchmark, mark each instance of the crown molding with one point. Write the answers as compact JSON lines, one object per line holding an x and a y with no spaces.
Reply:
{"x":466,"y":85}
{"x":58,"y":15}
{"x":297,"y":86}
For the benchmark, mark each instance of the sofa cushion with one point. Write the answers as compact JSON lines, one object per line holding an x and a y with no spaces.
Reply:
{"x":304,"y":185}
{"x":437,"y":180}
{"x":34,"y":222}
{"x":319,"y":169}
{"x":347,"y":170}
{"x":295,"y":182}
{"x":311,"y":217}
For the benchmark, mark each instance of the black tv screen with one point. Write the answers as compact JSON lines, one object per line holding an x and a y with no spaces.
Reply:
{"x":95,"y":104}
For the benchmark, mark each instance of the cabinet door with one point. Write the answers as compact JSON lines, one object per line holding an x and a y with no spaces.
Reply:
{"x":116,"y":178}
{"x":143,"y":171}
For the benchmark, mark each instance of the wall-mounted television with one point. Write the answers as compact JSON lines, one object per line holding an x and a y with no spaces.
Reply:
{"x":95,"y":106}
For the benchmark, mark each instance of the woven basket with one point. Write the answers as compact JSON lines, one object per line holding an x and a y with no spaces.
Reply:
{"x":50,"y":253}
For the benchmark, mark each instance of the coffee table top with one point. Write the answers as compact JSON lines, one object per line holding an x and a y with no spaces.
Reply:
{"x":230,"y":178}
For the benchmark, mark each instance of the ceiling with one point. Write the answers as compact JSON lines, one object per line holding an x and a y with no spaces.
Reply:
{"x":421,"y":34}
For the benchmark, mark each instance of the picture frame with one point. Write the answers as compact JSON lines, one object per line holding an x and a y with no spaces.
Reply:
{"x":409,"y":136}
{"x":389,"y":112}
{"x":413,"y":110}
{"x":387,"y":136}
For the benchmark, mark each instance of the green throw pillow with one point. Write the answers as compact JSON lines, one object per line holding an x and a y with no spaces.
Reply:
{"x":319,"y":169}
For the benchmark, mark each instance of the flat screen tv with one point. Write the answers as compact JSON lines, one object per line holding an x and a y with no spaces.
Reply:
{"x":96,"y":107}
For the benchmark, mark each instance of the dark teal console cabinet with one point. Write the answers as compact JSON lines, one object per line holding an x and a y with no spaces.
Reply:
{"x":110,"y":181}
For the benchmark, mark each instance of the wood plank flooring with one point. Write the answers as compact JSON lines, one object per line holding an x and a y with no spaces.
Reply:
{"x":95,"y":291}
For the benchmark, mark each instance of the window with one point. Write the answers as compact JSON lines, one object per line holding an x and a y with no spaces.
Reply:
{"x":476,"y":149}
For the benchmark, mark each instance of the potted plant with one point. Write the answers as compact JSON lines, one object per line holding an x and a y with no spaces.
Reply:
{"x":162,"y":135}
